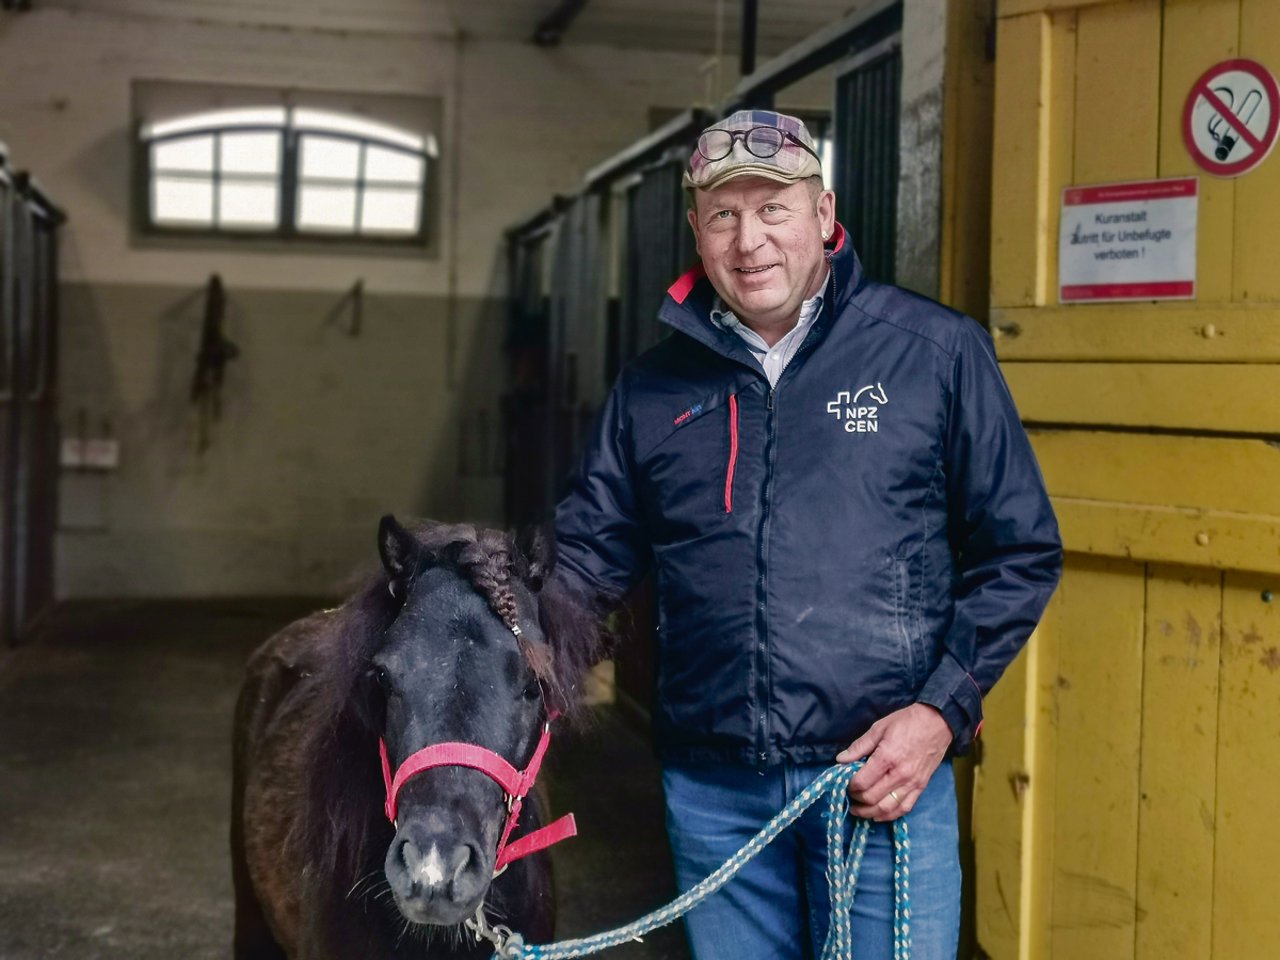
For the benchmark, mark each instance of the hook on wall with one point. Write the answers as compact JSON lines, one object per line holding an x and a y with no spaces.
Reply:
{"x":215,"y":352}
{"x":351,"y":304}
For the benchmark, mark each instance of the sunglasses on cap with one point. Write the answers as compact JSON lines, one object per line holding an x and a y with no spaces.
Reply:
{"x":762,"y":142}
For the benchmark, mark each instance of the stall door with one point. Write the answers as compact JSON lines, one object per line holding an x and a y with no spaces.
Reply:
{"x":36,"y":478}
{"x":866,"y":155}
{"x":530,"y":481}
{"x":658,"y":248}
{"x":8,"y":415}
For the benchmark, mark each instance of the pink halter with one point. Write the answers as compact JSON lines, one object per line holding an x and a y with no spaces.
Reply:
{"x":515,"y":782}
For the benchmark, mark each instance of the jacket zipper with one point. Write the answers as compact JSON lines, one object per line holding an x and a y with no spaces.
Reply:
{"x":733,"y":452}
{"x":762,"y":606}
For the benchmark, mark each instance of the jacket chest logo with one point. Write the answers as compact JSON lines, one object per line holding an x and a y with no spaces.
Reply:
{"x":859,"y":412}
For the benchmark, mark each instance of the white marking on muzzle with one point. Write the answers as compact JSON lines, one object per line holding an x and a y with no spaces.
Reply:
{"x":431,"y":869}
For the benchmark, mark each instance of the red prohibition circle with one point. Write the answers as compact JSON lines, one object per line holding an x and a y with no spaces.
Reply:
{"x":1267,"y":140}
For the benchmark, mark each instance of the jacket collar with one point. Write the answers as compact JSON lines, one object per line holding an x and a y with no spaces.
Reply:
{"x":687,"y":306}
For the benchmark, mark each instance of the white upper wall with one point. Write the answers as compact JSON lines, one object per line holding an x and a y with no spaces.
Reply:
{"x":521,"y":124}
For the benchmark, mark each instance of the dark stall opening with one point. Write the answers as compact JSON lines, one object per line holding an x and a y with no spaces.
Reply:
{"x":29,"y":223}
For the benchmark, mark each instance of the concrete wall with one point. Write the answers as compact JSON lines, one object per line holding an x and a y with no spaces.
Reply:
{"x":321,"y":432}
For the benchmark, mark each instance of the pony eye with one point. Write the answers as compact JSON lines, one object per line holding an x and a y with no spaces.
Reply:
{"x":532,"y":690}
{"x":380,"y":675}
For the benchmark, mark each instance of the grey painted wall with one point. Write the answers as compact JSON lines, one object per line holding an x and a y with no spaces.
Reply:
{"x":918,"y":253}
{"x":322,"y":433}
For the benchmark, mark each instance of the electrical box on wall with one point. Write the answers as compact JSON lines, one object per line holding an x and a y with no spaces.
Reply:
{"x":84,"y":452}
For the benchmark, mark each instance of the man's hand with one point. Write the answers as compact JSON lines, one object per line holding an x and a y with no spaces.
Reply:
{"x":902,"y":751}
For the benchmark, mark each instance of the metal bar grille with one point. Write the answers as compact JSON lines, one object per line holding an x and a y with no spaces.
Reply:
{"x":866,"y":182}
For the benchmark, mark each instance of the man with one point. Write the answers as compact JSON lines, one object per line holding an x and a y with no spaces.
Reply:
{"x":850,"y":537}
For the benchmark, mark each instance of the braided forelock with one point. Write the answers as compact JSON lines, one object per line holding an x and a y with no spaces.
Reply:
{"x":488,"y":559}
{"x":487,"y":563}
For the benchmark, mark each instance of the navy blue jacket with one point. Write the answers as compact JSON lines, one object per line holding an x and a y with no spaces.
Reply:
{"x":871,"y":532}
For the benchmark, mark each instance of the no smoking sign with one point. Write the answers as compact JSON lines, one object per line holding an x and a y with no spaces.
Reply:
{"x":1231,"y":117}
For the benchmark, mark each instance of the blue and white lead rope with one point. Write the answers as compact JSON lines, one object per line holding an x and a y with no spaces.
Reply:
{"x":844,"y":861}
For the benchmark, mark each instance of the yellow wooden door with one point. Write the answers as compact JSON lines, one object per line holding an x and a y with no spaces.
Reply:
{"x":1122,"y":793}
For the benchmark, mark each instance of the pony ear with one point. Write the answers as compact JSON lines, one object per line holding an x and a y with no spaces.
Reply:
{"x":538,"y":546}
{"x":397,"y":547}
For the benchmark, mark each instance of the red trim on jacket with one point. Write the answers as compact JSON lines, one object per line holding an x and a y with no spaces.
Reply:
{"x":838,"y":238}
{"x":733,"y":452}
{"x":682,"y":287}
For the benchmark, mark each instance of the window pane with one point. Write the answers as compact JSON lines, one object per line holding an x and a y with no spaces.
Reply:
{"x":250,"y":153}
{"x":345,"y":123}
{"x":327,"y":208}
{"x":189,"y":153}
{"x":330,"y":157}
{"x":183,"y":201}
{"x":248,"y":205}
{"x":393,"y":166}
{"x":390,"y":211}
{"x":258,"y":116}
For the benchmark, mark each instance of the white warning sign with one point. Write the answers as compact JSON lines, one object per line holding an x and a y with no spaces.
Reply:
{"x":1128,"y":241}
{"x":1231,"y":117}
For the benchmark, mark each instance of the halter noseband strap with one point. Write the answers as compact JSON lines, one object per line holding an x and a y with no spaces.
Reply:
{"x":515,"y":783}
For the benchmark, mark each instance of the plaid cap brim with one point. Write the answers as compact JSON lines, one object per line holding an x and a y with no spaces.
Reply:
{"x":756,"y":169}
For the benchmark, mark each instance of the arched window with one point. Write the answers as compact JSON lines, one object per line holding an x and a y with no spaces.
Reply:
{"x":287,"y":172}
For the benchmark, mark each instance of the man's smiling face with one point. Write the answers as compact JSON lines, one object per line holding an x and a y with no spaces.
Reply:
{"x":761,"y":244}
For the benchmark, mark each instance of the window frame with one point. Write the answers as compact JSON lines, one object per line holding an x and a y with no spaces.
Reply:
{"x":286,"y":232}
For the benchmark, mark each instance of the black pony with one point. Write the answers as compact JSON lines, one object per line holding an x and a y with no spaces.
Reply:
{"x":460,"y":638}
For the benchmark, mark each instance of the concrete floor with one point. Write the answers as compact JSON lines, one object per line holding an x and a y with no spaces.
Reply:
{"x":115,"y":777}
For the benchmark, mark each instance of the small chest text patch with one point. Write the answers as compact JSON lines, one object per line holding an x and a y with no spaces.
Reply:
{"x":688,"y":414}
{"x":859,"y":412}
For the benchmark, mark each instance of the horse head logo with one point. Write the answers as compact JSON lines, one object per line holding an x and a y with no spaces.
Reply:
{"x":876,"y":392}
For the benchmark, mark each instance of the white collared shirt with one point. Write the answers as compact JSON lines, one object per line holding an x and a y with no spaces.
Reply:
{"x":773,"y":360}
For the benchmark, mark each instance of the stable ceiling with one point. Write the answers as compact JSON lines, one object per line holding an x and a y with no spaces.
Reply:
{"x":677,"y":25}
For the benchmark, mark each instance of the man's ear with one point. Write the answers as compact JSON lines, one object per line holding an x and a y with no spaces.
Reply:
{"x":397,"y":547}
{"x":826,"y":209}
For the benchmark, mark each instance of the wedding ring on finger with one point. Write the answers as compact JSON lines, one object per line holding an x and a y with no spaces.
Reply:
{"x":894,"y":794}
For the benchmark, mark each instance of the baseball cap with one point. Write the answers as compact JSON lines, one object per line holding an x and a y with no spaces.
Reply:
{"x":755,"y":143}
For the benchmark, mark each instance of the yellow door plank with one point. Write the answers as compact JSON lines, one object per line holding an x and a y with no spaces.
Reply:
{"x":1179,"y":763}
{"x":1247,"y":849}
{"x":1208,"y":473}
{"x":1257,"y":220}
{"x":1061,"y":120}
{"x":1223,"y":541}
{"x":997,"y":814}
{"x":1014,"y":797}
{"x":965,"y":272}
{"x":1231,"y":398}
{"x":1040,"y":763}
{"x":1198,"y":34}
{"x":1008,"y":8}
{"x":1096,"y":816}
{"x":1117,"y":91}
{"x":1019,"y":222}
{"x":1222,"y":333}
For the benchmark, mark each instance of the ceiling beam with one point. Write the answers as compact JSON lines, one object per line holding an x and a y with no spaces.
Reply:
{"x":747,"y":60}
{"x":551,"y":28}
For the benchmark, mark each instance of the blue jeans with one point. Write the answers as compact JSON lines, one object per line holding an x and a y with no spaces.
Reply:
{"x":777,"y":906}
